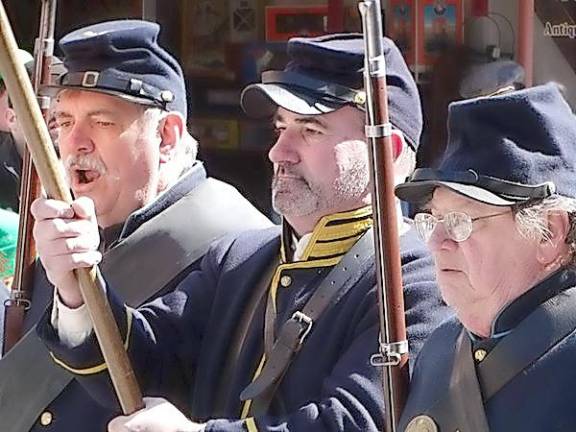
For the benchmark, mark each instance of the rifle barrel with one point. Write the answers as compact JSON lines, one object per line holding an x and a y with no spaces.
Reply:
{"x":30,"y":189}
{"x":393,"y":356}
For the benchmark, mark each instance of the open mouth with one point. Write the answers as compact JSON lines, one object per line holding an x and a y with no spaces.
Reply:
{"x":83,"y":171}
{"x":85,"y":176}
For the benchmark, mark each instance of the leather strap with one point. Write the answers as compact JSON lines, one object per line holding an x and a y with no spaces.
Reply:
{"x":269,"y":326}
{"x":327,"y":92}
{"x":552,"y":321}
{"x":240,"y":335}
{"x":23,"y":396}
{"x":465,"y":388}
{"x":296,"y":329}
{"x":207,"y":213}
{"x":112,"y":81}
{"x":507,"y":189}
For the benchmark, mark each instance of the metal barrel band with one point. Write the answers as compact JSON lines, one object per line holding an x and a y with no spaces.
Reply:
{"x":390,"y":354}
{"x":43,"y":101}
{"x":378,"y":131}
{"x":46,"y":45}
{"x":377,"y":66}
{"x":17,"y":300}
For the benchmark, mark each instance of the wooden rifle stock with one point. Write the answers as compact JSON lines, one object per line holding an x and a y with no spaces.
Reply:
{"x":393,"y":355}
{"x":47,"y":165}
{"x":30,"y":189}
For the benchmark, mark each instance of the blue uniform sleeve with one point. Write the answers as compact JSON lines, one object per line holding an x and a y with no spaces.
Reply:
{"x":160,"y":338}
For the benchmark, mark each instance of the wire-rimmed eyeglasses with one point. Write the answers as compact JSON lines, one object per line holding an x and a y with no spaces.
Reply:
{"x":458,"y":225}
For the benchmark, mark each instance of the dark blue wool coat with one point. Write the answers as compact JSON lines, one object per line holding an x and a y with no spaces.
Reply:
{"x":179,"y":343}
{"x":540,"y":398}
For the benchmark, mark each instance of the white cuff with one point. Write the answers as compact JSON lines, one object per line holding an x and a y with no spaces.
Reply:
{"x":74,"y":326}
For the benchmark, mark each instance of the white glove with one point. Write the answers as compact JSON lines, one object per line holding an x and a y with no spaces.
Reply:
{"x":159,"y":415}
{"x":67,"y":238}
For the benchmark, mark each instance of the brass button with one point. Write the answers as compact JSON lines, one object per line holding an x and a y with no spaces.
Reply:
{"x":166,"y":96}
{"x":46,"y":418}
{"x":422,"y":423}
{"x":480,"y":354}
{"x":360,"y":98}
{"x":285,"y":281}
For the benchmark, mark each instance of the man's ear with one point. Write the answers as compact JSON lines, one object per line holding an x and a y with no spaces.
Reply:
{"x":10,"y":117}
{"x":554,"y":248}
{"x":398,"y":143}
{"x":171,"y":130}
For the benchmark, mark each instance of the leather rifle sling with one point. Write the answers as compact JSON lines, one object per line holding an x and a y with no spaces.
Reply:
{"x":295,"y":330}
{"x":465,"y":388}
{"x":241,"y":333}
{"x":552,"y":321}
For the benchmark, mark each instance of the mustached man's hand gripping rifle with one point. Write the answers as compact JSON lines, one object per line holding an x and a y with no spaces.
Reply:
{"x":46,"y":162}
{"x":30,"y":189}
{"x":393,"y":353}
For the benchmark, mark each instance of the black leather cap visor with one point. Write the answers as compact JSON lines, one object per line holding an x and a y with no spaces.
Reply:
{"x":297,"y":93}
{"x":489,"y":190}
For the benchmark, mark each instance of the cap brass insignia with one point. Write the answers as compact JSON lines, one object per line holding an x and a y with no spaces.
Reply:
{"x":422,"y":423}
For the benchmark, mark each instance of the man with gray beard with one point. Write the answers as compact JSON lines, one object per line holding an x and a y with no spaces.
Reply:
{"x":276,"y":329}
{"x":121,"y":113}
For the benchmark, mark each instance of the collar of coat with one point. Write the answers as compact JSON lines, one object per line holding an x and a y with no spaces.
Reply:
{"x":189,"y":180}
{"x":332,"y":236}
{"x":517,"y":310}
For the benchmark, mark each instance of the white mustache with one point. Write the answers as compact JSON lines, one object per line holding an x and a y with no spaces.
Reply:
{"x":286,"y":170}
{"x":85,"y":162}
{"x":82,"y":162}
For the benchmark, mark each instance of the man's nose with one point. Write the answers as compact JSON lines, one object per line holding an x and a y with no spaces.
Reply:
{"x":284,"y":149}
{"x":78,"y":139}
{"x":440,"y":239}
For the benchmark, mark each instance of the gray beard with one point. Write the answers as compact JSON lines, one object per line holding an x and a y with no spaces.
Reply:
{"x":298,"y":197}
{"x":294,"y":197}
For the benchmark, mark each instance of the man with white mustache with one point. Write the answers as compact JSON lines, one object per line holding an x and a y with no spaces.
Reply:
{"x":216,"y":349}
{"x":121,"y":114}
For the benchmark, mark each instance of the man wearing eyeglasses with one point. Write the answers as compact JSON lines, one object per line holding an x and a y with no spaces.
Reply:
{"x":500,"y":220}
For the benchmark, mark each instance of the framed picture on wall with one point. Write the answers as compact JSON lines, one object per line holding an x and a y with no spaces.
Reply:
{"x":401,"y":27}
{"x":439,"y":29}
{"x":243,"y":20}
{"x":205,"y":34}
{"x":216,"y":133}
{"x":282,"y":22}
